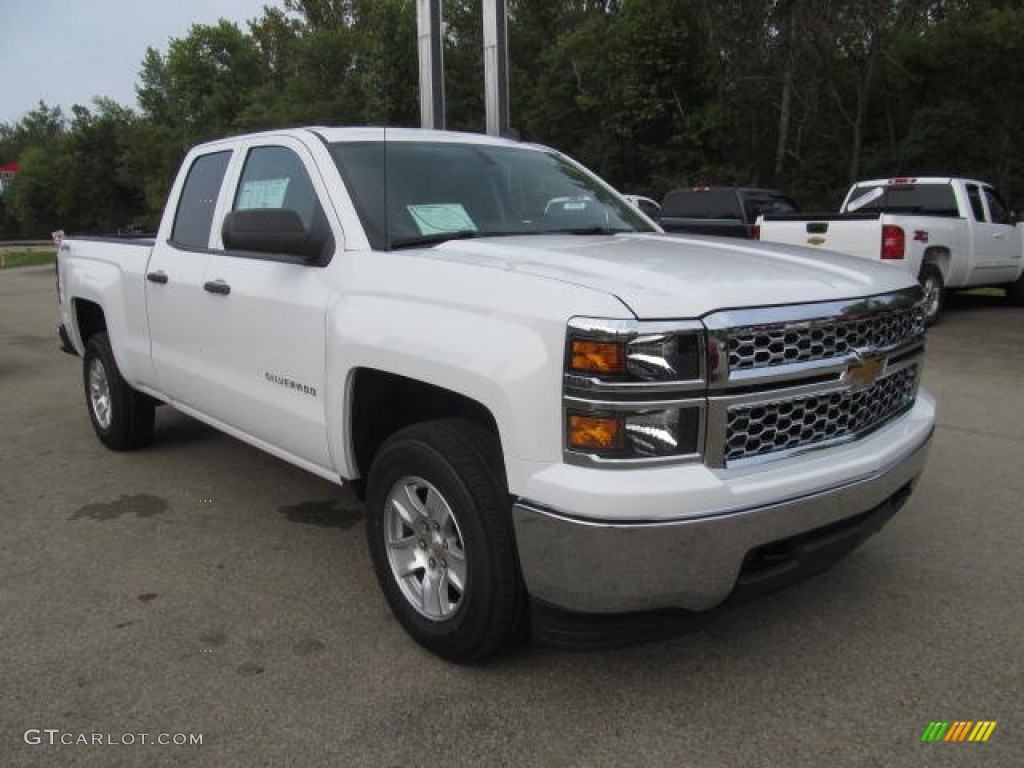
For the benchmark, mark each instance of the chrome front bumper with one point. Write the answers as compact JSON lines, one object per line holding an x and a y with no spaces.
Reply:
{"x":610,"y":567}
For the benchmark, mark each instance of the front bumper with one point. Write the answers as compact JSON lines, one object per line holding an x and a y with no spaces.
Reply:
{"x":596,"y":566}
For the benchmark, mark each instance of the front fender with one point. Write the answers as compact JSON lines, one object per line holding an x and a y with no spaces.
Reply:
{"x":489,"y":344}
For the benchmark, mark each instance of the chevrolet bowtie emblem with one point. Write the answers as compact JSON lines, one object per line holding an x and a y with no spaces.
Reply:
{"x":865,"y":370}
{"x":815,"y":240}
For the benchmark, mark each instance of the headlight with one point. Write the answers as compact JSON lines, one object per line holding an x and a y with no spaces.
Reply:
{"x":634,"y":391}
{"x":639,"y":434}
{"x":622,"y":351}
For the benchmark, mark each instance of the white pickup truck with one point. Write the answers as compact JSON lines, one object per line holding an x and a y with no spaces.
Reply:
{"x":553,"y":410}
{"x":949,"y":233}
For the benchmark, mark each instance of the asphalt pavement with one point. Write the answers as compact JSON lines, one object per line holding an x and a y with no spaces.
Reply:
{"x":200,"y":589}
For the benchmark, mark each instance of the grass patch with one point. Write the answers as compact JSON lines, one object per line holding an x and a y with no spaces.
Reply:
{"x":13,"y":259}
{"x":1000,"y":292}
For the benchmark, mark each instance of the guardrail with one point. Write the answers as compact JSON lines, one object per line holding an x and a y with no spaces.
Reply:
{"x":21,"y":246}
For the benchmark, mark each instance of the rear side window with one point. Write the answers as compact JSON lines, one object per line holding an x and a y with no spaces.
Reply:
{"x":696,"y":204}
{"x":198,"y":198}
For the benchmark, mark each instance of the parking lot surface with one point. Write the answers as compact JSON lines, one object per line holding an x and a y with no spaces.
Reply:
{"x":201,"y":587}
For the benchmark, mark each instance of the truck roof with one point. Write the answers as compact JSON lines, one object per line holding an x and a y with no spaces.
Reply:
{"x":918,"y":180}
{"x":374,"y":133}
{"x":700,"y":188}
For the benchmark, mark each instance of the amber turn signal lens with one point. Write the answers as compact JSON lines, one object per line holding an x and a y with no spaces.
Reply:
{"x":591,"y":433}
{"x":599,"y":356}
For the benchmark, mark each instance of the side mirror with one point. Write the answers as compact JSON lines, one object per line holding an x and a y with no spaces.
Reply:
{"x":274,"y":230}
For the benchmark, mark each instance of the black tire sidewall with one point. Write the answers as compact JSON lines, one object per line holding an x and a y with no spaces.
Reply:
{"x":476,"y":504}
{"x":1015,"y":292}
{"x":931,"y":272}
{"x":118,"y":436}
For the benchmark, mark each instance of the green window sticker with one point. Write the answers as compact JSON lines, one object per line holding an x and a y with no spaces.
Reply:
{"x":440,"y":218}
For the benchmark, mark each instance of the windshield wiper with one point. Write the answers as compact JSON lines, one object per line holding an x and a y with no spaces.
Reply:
{"x":466,"y":234}
{"x":434,"y":239}
{"x":586,"y":231}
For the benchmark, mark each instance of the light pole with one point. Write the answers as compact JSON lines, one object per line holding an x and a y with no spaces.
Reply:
{"x":496,"y":66}
{"x":431,"y":59}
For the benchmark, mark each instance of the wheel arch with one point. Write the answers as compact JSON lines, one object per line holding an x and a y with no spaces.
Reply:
{"x":89,"y":319}
{"x":379,"y":403}
{"x":940,"y":258}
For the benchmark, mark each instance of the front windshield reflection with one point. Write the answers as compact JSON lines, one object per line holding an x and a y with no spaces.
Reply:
{"x":421,"y":193}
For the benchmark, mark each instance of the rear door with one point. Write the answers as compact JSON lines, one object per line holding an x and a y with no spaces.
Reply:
{"x":265,"y":314}
{"x":174,"y":282}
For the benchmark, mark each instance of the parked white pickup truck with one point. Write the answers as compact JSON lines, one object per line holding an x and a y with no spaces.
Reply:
{"x":553,"y":409}
{"x":949,"y":233}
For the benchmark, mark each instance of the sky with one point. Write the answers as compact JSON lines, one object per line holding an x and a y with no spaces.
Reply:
{"x":65,"y":52}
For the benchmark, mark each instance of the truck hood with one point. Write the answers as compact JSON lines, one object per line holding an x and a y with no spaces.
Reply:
{"x":670,"y":276}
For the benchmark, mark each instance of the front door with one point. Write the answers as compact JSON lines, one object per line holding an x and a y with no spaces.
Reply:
{"x":997,"y":244}
{"x":265,"y":316}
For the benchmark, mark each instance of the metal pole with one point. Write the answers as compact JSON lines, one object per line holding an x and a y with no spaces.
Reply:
{"x":431,"y":46}
{"x":496,"y":66}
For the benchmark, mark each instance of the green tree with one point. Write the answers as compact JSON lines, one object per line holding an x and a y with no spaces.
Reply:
{"x":956,"y":124}
{"x":33,"y":197}
{"x":39,"y":126}
{"x":95,"y":194}
{"x":34,"y":141}
{"x":201,"y":86}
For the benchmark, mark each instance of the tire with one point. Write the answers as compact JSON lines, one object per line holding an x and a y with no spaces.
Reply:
{"x":440,"y":535}
{"x":121,"y":417}
{"x":931,"y":281}
{"x":1015,"y":292}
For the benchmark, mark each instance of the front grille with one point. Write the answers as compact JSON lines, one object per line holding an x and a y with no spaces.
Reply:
{"x":753,"y":430}
{"x":765,"y":346}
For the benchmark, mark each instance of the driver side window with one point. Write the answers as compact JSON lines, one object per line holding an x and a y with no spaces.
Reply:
{"x":275,"y":178}
{"x":998,"y":211}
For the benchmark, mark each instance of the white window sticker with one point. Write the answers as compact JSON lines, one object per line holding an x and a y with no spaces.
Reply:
{"x":264,"y":193}
{"x":441,"y":218}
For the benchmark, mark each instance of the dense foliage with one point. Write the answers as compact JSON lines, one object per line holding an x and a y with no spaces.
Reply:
{"x":801,"y":95}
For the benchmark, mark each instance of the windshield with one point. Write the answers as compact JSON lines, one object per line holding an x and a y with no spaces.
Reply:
{"x":421,"y":193}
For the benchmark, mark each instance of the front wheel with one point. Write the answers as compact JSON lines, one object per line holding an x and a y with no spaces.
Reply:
{"x":931,"y":281}
{"x":121,"y":416}
{"x":441,"y":539}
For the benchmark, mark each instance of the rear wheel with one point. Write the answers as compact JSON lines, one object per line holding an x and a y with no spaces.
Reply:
{"x":441,"y":539}
{"x":1015,"y":292}
{"x":931,"y":281}
{"x":121,"y":417}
